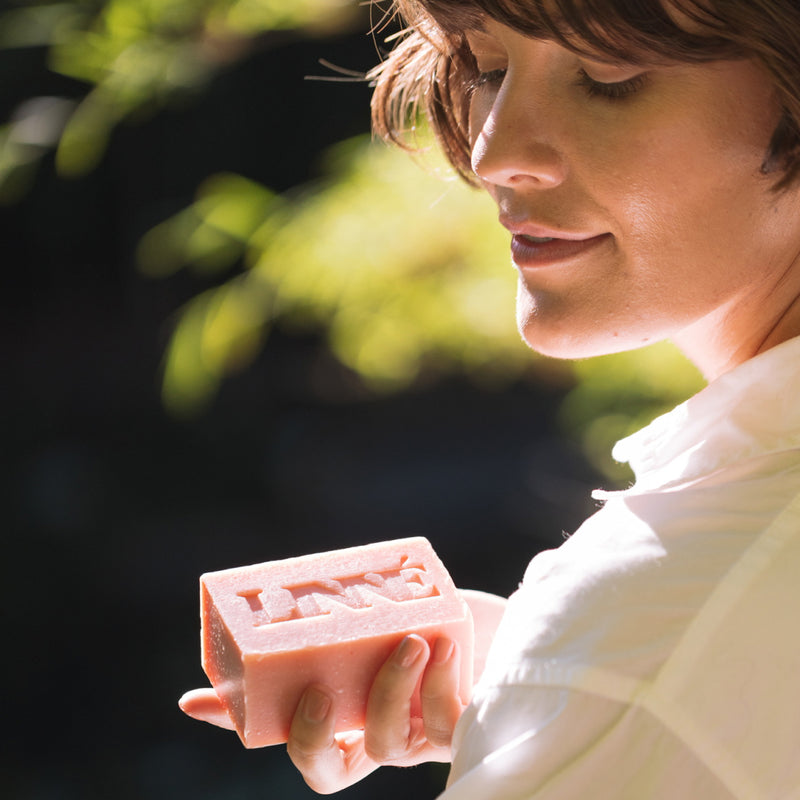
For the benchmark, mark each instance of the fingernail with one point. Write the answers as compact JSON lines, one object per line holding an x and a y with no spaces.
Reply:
{"x":408,"y":652}
{"x":442,"y":650}
{"x":316,"y":705}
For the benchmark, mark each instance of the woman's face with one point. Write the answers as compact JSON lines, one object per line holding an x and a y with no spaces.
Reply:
{"x":635,"y":200}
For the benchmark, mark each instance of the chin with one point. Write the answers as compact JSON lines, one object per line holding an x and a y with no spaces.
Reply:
{"x":574,"y":326}
{"x":573,"y":344}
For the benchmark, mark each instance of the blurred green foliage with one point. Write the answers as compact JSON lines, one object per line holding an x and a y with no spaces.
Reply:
{"x":133,"y":56}
{"x":402,"y":265}
{"x":404,"y":268}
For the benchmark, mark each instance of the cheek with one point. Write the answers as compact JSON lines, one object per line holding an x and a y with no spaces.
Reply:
{"x":703,"y":145}
{"x":698,"y":182}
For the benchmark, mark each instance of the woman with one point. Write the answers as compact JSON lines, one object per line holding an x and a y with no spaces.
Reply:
{"x":644,"y":157}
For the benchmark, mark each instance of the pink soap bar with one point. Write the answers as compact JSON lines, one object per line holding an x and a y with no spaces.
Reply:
{"x":269,"y":630}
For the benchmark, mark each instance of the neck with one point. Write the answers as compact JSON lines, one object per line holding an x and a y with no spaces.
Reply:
{"x":714,"y":347}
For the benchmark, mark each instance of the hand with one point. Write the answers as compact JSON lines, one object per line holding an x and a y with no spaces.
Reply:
{"x":330,"y":762}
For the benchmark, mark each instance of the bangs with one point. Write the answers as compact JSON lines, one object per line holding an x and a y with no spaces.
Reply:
{"x":682,"y":30}
{"x":432,"y":71}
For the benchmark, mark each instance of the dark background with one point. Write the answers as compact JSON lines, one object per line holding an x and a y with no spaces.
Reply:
{"x":113,"y":509}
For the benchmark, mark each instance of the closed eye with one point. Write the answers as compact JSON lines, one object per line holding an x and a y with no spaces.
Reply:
{"x":493,"y":77}
{"x":616,"y":90}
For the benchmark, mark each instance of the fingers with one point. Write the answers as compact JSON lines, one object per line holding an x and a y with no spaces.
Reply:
{"x":389,"y":731}
{"x":205,"y":705}
{"x":311,"y":746}
{"x":441,"y":705}
{"x":327,"y":763}
{"x":331,"y":762}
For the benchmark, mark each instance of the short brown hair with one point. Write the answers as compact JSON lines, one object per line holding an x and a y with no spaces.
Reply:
{"x":431,"y":69}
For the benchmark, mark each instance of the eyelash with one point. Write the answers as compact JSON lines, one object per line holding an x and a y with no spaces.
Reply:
{"x":610,"y":91}
{"x":495,"y":76}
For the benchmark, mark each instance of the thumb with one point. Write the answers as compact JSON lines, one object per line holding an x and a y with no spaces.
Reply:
{"x":205,"y":705}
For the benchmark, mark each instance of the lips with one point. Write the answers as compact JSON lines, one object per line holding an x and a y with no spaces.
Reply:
{"x":530,"y":251}
{"x":536,"y":245}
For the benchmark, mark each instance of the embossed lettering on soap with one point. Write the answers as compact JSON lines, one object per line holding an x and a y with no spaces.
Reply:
{"x":338,"y":595}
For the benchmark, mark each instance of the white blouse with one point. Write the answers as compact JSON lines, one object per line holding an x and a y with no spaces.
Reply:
{"x":656,"y":653}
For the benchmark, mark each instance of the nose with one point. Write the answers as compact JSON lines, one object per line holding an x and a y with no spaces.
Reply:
{"x":514,"y":144}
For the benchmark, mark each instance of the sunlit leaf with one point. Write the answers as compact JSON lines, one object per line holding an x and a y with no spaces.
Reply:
{"x":188,"y":385}
{"x":213,"y":233}
{"x":219,"y":332}
{"x":86,"y":134}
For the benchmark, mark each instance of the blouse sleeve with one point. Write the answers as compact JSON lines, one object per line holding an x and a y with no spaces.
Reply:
{"x":547,"y":743}
{"x":651,"y":656}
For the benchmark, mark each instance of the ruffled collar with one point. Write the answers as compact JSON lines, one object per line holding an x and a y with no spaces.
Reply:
{"x":751,"y":411}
